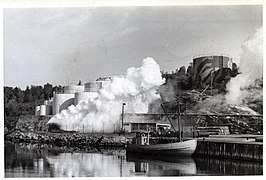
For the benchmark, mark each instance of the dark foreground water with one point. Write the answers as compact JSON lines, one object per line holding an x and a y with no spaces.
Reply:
{"x":26,"y":160}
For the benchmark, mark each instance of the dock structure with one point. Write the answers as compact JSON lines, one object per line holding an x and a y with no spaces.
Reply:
{"x":231,"y":147}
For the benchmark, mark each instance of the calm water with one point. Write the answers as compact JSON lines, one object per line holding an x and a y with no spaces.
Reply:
{"x":25,"y":160}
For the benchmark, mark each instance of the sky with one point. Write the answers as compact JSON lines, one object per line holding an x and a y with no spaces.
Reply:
{"x":61,"y":46}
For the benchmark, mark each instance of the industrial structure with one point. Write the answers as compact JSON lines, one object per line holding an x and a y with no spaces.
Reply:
{"x":210,"y":68}
{"x":70,"y":95}
{"x":206,"y":69}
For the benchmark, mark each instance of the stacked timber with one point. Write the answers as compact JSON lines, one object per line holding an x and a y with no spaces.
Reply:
{"x":214,"y":130}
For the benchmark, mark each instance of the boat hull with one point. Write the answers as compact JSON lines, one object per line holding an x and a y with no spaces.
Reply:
{"x":179,"y":148}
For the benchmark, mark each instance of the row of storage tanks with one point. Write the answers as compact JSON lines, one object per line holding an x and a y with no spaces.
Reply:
{"x":203,"y":67}
{"x":72,"y":94}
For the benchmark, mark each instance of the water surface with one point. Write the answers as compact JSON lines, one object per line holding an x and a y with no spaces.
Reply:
{"x":27,"y":160}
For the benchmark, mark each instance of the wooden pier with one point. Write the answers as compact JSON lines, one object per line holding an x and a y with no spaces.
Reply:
{"x":240,"y":147}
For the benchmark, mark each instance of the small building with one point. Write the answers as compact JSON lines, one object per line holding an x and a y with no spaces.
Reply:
{"x":145,"y":126}
{"x":143,"y":121}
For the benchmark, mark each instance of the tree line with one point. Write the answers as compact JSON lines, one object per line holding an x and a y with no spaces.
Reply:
{"x":23,"y":102}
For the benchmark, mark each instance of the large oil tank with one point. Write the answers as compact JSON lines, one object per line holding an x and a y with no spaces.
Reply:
{"x":50,"y":102}
{"x":105,"y":83}
{"x":93,"y":86}
{"x":71,"y":89}
{"x":62,"y":101}
{"x":37,"y":110}
{"x":46,"y":102}
{"x":45,"y":110}
{"x":83,"y":96}
{"x":205,"y":66}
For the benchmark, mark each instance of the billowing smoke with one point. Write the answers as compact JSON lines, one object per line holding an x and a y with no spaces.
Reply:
{"x":102,"y":114}
{"x":251,"y":68}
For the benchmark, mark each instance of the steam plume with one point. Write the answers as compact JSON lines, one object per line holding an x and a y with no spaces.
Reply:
{"x":137,"y":89}
{"x":251,"y":66}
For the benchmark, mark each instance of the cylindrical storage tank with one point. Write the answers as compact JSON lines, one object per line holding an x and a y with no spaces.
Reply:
{"x":37,"y":110}
{"x":71,"y":89}
{"x":45,"y":102}
{"x":50,"y":102}
{"x":93,"y":86}
{"x":203,"y":66}
{"x":43,"y":110}
{"x":83,"y":96}
{"x":62,"y":101}
{"x":105,"y":83}
{"x":49,"y":110}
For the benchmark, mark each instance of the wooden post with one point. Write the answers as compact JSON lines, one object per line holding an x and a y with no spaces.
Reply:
{"x":179,"y":123}
{"x":211,"y":81}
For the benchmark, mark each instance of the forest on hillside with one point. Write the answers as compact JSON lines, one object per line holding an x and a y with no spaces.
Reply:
{"x":23,"y":102}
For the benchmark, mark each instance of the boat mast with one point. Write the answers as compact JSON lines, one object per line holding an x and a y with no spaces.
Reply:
{"x":178,"y":119}
{"x":168,"y":118}
{"x":122,"y":125}
{"x":179,"y":123}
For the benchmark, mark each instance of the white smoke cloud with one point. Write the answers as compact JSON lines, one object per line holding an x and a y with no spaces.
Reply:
{"x":102,"y":114}
{"x":251,"y":68}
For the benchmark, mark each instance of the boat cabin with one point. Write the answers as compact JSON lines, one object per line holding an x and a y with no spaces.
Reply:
{"x":142,"y":137}
{"x":151,"y":126}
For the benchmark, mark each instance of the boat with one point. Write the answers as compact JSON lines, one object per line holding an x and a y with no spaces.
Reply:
{"x":143,"y":143}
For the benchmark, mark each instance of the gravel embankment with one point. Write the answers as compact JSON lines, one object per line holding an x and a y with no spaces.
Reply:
{"x":68,"y":139}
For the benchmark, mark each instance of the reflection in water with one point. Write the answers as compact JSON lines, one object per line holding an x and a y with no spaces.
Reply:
{"x":26,"y":161}
{"x":23,"y":162}
{"x":227,"y":167}
{"x":163,"y":165}
{"x":141,"y":167}
{"x":87,"y":164}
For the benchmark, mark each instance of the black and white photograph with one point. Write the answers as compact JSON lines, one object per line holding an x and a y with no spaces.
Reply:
{"x":133,"y":90}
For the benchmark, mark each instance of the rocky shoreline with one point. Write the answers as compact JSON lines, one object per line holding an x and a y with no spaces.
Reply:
{"x":68,"y":139}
